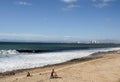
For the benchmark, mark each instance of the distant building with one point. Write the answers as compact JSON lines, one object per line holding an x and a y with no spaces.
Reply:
{"x":93,"y":42}
{"x":78,"y":42}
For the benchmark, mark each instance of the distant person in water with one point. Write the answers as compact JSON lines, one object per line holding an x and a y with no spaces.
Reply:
{"x":53,"y":74}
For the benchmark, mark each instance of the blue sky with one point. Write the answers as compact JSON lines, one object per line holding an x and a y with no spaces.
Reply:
{"x":59,"y":20}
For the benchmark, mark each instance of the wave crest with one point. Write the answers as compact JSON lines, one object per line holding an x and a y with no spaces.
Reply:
{"x":7,"y":53}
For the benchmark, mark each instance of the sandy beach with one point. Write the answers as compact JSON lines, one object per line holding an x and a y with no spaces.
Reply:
{"x":102,"y":69}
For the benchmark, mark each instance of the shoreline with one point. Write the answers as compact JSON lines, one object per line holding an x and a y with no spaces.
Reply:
{"x":92,"y":56}
{"x":98,"y":67}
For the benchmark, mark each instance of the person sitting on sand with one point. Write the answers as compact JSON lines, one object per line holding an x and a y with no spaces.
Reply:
{"x":28,"y":74}
{"x":53,"y":74}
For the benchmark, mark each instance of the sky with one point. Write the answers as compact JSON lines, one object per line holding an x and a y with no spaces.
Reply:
{"x":59,"y":20}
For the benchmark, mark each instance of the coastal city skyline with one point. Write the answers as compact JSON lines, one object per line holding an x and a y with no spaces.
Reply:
{"x":59,"y":20}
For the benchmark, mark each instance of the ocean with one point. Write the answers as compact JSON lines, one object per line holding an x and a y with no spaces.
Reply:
{"x":24,"y":55}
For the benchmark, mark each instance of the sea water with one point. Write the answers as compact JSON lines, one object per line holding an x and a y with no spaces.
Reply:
{"x":11,"y":59}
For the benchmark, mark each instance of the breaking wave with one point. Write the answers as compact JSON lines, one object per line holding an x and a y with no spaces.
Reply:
{"x":13,"y":60}
{"x":8,"y":53}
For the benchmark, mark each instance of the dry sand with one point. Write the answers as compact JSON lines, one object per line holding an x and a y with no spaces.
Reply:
{"x":105,"y":69}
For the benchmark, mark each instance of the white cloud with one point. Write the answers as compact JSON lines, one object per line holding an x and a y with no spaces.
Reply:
{"x":71,"y":6}
{"x":35,"y":37}
{"x":23,"y":3}
{"x":107,"y":0}
{"x":101,"y":3}
{"x":94,"y":0}
{"x":69,"y":1}
{"x":16,"y":36}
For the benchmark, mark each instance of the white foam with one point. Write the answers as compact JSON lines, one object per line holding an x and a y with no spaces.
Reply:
{"x":7,"y":53}
{"x":23,"y":61}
